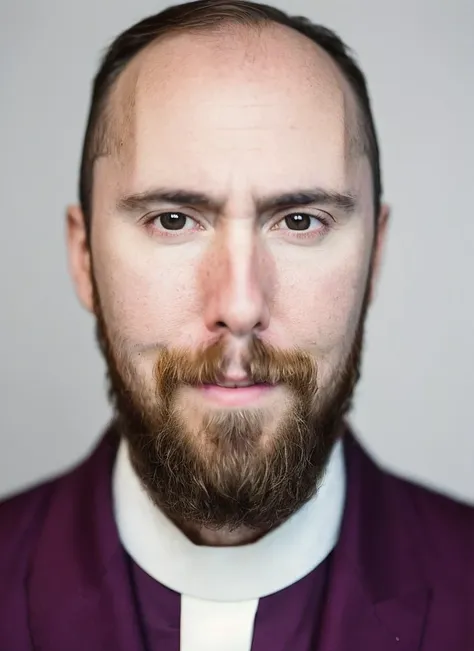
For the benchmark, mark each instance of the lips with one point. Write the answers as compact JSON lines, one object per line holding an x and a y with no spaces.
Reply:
{"x":235,"y":393}
{"x":229,"y":384}
{"x":236,"y":384}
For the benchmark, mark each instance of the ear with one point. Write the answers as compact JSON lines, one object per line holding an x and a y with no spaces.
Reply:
{"x":79,"y":256}
{"x":379,"y":247}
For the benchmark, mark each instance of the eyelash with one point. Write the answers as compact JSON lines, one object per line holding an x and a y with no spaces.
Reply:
{"x":324,"y":220}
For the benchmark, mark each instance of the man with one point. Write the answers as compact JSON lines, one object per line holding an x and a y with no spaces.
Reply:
{"x":228,"y":240}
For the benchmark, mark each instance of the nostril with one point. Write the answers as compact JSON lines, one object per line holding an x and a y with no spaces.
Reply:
{"x":221,"y":324}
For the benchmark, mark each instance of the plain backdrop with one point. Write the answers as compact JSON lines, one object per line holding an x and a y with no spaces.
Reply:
{"x":414,"y":404}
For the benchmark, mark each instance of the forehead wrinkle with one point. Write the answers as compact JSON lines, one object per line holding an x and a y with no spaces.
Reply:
{"x":154,"y":69}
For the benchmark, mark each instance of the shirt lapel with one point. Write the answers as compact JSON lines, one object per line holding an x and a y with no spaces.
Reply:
{"x":79,"y":591}
{"x":377,"y":598}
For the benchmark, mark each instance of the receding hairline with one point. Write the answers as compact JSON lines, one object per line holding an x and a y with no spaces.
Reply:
{"x":114,"y":122}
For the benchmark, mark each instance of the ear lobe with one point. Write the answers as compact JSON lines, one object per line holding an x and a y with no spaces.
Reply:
{"x":379,"y":247}
{"x":79,"y":255}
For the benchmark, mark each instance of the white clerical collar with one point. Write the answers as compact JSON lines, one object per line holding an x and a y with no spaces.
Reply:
{"x":228,"y":574}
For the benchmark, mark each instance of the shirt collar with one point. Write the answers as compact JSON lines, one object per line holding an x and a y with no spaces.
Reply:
{"x":275,"y":561}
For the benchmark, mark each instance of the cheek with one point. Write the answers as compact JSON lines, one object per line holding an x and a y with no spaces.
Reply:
{"x":320,"y":303}
{"x":146,"y":293}
{"x":325,"y":309}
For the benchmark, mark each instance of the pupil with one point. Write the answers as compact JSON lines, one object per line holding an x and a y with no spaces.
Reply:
{"x":298,"y":222}
{"x":173,"y":221}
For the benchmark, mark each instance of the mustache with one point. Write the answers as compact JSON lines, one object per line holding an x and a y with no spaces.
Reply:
{"x":262,"y":362}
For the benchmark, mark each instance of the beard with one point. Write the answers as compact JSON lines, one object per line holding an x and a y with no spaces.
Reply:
{"x":227,"y":469}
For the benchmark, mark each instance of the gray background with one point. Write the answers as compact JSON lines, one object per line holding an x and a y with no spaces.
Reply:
{"x":414,"y":403}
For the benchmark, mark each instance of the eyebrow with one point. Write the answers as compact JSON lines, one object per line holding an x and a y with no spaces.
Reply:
{"x":346,"y":202}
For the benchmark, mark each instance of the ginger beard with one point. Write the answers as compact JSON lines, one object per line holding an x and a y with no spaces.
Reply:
{"x":230,"y":468}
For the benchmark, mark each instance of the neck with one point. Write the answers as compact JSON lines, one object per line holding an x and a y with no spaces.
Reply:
{"x":223,"y":537}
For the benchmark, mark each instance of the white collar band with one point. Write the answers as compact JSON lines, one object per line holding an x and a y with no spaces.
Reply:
{"x":274,"y":562}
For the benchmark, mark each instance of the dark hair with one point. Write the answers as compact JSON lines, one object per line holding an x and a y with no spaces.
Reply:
{"x":207,"y":15}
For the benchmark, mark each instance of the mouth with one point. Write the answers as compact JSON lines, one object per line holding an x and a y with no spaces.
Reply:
{"x":235,"y":393}
{"x":231,"y":384}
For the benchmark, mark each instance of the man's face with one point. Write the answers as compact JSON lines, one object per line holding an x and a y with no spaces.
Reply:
{"x":204,"y":256}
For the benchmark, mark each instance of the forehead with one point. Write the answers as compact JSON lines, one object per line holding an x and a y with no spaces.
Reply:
{"x":261,"y":107}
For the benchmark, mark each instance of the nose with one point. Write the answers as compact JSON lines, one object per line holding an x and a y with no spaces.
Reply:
{"x":237,"y":287}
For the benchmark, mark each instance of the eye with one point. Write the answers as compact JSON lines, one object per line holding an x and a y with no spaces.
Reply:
{"x":172,"y":221}
{"x":300,"y":221}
